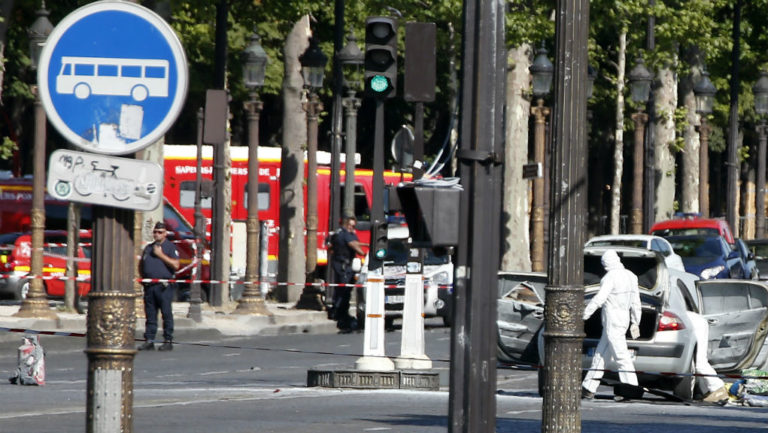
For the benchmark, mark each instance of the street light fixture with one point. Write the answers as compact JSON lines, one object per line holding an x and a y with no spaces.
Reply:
{"x":35,"y":304}
{"x":760,"y":91}
{"x":705,"y":98}
{"x":351,"y":59}
{"x":254,"y":70}
{"x":313,"y":70}
{"x":542,"y":71}
{"x":640,"y":80}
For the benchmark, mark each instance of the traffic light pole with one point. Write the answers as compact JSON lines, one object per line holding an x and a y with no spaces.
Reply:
{"x":472,"y":399}
{"x":377,"y":194}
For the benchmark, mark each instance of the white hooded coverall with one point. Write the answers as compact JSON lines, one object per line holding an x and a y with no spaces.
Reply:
{"x":619,"y":298}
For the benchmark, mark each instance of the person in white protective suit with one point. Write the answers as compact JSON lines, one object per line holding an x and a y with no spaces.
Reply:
{"x":711,"y":386}
{"x":619,"y":298}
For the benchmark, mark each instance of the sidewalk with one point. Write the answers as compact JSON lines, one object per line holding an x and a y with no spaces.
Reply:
{"x":284,"y":319}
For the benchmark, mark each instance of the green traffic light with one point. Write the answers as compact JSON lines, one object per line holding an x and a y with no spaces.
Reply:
{"x":379,"y":83}
{"x":380,"y":253}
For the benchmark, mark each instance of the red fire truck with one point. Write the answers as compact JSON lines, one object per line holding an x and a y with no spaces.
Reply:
{"x":179,"y":189}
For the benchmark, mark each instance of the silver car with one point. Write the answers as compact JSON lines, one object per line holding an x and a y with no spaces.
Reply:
{"x":736,"y":310}
{"x":649,"y":242}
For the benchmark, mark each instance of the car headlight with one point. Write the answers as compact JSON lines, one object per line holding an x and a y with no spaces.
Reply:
{"x":709,"y":273}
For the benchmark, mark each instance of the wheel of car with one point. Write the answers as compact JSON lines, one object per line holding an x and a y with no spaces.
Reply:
{"x":685,"y":388}
{"x":22,"y":291}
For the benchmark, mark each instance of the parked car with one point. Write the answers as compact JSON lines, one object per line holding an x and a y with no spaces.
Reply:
{"x":751,"y":270}
{"x":708,"y":256}
{"x":693,"y":224}
{"x":16,"y":247}
{"x":15,"y":258}
{"x":759,"y":249}
{"x":735,"y":309}
{"x":648,"y":242}
{"x":438,"y":281}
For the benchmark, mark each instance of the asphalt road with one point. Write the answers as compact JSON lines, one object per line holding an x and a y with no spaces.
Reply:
{"x":258,"y":384}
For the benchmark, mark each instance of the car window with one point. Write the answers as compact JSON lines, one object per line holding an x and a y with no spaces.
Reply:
{"x":719,"y":299}
{"x":176,"y":223}
{"x":397,"y":253}
{"x":758,"y":298}
{"x":690,"y":305}
{"x":661,"y":247}
{"x":618,"y":242}
{"x":55,"y":245}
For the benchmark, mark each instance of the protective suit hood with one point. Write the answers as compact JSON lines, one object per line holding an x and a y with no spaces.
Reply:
{"x":611,"y":260}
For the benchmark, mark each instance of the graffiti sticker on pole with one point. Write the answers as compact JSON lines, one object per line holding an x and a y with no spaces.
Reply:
{"x":87,"y":177}
{"x":112,"y":77}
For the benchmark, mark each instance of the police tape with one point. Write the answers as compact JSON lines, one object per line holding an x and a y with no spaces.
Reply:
{"x":522,"y":367}
{"x":199,"y":281}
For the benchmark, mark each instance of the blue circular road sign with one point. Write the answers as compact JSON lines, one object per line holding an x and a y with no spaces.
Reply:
{"x":112,"y":77}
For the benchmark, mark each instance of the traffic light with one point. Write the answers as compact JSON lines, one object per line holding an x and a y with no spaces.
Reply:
{"x":379,"y":242}
{"x":381,"y":57}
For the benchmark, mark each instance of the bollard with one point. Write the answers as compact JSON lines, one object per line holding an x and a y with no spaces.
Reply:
{"x":374,"y":357}
{"x":412,"y":354}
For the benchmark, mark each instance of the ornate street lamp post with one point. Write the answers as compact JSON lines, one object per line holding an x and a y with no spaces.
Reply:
{"x":254,"y":69}
{"x":35,"y":304}
{"x":351,"y":58}
{"x":313,"y":69}
{"x":705,"y":98}
{"x":760,"y":91}
{"x":640,"y":83}
{"x":542,"y":70}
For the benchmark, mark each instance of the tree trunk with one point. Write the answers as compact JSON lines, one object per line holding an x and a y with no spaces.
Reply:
{"x":618,"y":152}
{"x":664,"y":161}
{"x":291,"y":259}
{"x":748,"y":203}
{"x":516,"y":189}
{"x":689,"y":178}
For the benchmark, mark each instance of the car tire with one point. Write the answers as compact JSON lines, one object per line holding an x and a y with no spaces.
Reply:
{"x":22,"y":291}
{"x":686,"y":387}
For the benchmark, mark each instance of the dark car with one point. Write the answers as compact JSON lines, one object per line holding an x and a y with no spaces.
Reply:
{"x":759,"y":249}
{"x":751,"y":271}
{"x":708,"y":257}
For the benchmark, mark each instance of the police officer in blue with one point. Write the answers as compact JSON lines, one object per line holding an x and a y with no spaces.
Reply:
{"x":345,"y":246}
{"x":159,"y":260}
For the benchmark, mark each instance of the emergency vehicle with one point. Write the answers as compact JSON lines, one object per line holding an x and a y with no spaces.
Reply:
{"x":180,"y":181}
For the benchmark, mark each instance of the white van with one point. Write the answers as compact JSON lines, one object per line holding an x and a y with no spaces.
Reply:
{"x":438,"y":280}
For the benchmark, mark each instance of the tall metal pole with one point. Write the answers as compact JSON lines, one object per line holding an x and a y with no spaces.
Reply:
{"x":649,"y":171}
{"x":351,"y":105}
{"x":418,"y":141}
{"x":311,"y":298}
{"x":636,"y":220}
{"x":338,"y":89}
{"x":472,"y":401}
{"x":540,"y":113}
{"x":704,"y":130}
{"x":35,"y":304}
{"x":195,"y":311}
{"x":377,"y":183}
{"x":762,"y":131}
{"x":111,"y":323}
{"x":251,"y":302}
{"x":220,"y":251}
{"x":731,"y":211}
{"x":565,"y":280}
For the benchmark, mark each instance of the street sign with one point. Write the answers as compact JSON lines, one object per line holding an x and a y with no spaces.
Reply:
{"x":105,"y":180}
{"x":112,"y":77}
{"x":402,"y":147}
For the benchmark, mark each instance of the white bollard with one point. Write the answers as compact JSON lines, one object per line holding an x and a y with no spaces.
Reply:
{"x":412,"y":354}
{"x":374,"y":357}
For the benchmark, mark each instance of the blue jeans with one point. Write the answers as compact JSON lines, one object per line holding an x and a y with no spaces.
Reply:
{"x":158,"y":296}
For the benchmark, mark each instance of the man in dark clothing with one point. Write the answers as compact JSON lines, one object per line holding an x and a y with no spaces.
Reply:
{"x":345,"y":246}
{"x":158,"y":261}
